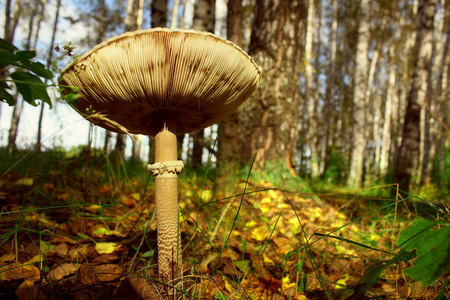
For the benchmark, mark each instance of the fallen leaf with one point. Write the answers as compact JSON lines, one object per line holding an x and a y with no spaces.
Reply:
{"x":108,"y":258}
{"x":107,"y":272}
{"x":61,"y":249}
{"x":86,"y":275}
{"x":25,"y":181}
{"x":205,"y":262}
{"x":106,"y":247}
{"x":7,"y":258}
{"x":28,"y":272}
{"x":128,"y":201}
{"x":63,"y":270}
{"x":28,"y":291}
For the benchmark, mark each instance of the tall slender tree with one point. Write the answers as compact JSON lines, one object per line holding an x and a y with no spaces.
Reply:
{"x":269,"y":120}
{"x":49,"y":62}
{"x":329,"y":89}
{"x":228,"y":141}
{"x":18,"y":108}
{"x":159,"y":13}
{"x":204,"y":20}
{"x":11,"y":19}
{"x":359,"y":102}
{"x":309,"y":91}
{"x":407,"y":156}
{"x":133,"y":21}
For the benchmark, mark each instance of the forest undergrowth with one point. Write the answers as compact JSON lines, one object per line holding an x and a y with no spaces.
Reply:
{"x":77,"y":225}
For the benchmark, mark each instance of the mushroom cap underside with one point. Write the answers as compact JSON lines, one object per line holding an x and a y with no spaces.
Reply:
{"x":142,"y":80}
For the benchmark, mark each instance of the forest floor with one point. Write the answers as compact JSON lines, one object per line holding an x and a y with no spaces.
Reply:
{"x":75,"y":227}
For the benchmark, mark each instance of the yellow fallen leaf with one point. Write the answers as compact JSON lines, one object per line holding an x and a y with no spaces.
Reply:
{"x":341,"y":283}
{"x":286,"y":283}
{"x":106,"y":247}
{"x":207,"y":195}
{"x":136,"y":196}
{"x":260,"y":234}
{"x":25,"y":181}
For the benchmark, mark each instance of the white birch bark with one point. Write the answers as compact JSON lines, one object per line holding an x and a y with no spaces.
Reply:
{"x":354,"y":179}
{"x":309,"y":93}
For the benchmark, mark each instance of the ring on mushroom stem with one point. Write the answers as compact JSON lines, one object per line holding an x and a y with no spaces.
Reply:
{"x":162,"y":82}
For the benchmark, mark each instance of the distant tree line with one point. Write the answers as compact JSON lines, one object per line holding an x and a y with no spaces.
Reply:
{"x":352,"y":91}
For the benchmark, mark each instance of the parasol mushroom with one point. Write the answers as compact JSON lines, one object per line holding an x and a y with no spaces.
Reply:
{"x":162,"y":82}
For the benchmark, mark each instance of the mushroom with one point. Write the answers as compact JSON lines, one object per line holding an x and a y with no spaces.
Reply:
{"x":162,"y":82}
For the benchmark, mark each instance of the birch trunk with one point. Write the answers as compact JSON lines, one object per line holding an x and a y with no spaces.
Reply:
{"x":159,"y":13}
{"x":354,"y":179}
{"x":228,"y":146}
{"x":204,"y":20}
{"x":49,"y":63}
{"x":433,"y":111}
{"x":329,"y":103}
{"x":270,"y":119}
{"x":408,"y":152}
{"x":309,"y":93}
{"x":386,"y":136}
{"x":133,"y":21}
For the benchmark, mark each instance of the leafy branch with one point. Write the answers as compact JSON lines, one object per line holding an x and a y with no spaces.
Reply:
{"x":26,"y":76}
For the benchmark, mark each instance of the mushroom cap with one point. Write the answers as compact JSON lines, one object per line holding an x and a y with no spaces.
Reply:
{"x":145,"y":79}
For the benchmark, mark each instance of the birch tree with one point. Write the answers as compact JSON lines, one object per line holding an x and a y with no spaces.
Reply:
{"x":269,"y":120}
{"x":329,"y":88}
{"x":133,"y":21}
{"x":309,"y":92}
{"x":407,"y":156}
{"x":359,"y":102}
{"x":204,"y":20}
{"x":49,"y":62}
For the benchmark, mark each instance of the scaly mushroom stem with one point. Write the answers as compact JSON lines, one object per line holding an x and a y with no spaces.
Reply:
{"x":166,"y":168}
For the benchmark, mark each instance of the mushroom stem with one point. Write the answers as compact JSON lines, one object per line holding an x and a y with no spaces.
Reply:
{"x":166,"y":168}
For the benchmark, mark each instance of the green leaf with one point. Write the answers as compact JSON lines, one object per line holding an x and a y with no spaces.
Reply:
{"x":432,"y":246}
{"x":5,"y":96}
{"x":36,"y":67}
{"x":25,"y":55}
{"x":373,"y":274}
{"x":31,"y":87}
{"x":242,"y":265}
{"x":7,"y":45}
{"x":7,"y":58}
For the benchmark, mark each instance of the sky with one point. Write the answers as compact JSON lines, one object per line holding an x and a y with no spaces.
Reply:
{"x":62,"y":126}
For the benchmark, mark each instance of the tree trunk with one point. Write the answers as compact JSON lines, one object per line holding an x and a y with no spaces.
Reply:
{"x":309,"y":92}
{"x":11,"y":21}
{"x":228,"y":142}
{"x":440,"y":51}
{"x":204,"y":20}
{"x":49,"y":63}
{"x":133,"y":21}
{"x":408,"y":152}
{"x":387,"y":129}
{"x":354,"y":179}
{"x":443,"y":92}
{"x":159,"y":13}
{"x":269,"y":120}
{"x":329,"y":103}
{"x":13,"y":130}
